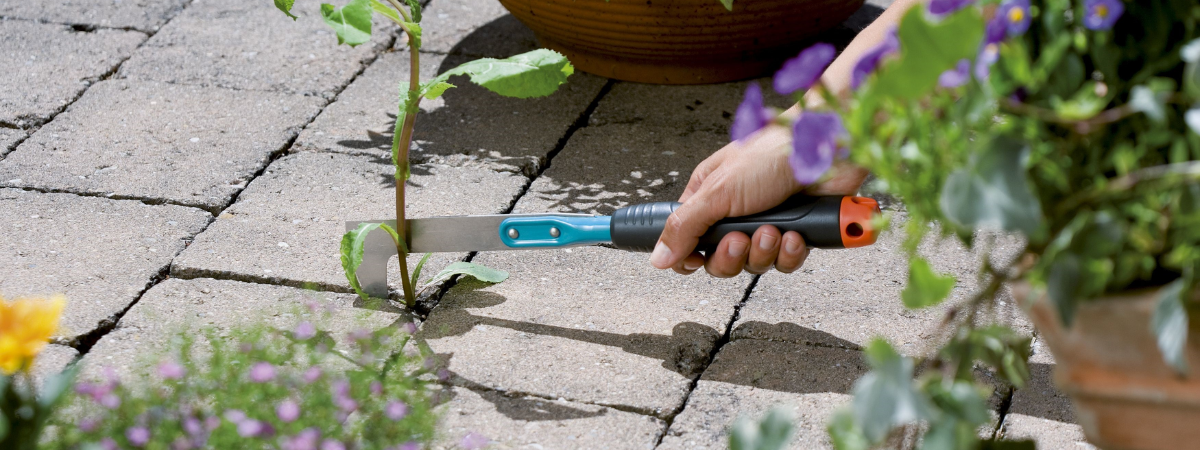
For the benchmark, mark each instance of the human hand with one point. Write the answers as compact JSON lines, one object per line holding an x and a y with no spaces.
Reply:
{"x":745,"y":177}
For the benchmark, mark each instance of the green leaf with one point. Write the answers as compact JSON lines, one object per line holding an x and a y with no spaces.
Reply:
{"x":478,"y":271}
{"x":414,"y":8}
{"x":1170,"y":324}
{"x":1085,"y":104}
{"x":925,"y":287}
{"x":1062,"y":285}
{"x":728,"y":4}
{"x":845,"y":433}
{"x":532,"y":74}
{"x":286,"y":7}
{"x":386,"y":10}
{"x":352,"y":22}
{"x":992,"y":192}
{"x":352,"y":254}
{"x":54,"y":387}
{"x":416,"y":275}
{"x":884,"y":397}
{"x":434,"y":89}
{"x":927,"y":49}
{"x":773,"y":432}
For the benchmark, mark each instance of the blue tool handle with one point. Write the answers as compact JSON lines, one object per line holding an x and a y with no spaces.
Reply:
{"x":554,"y":231}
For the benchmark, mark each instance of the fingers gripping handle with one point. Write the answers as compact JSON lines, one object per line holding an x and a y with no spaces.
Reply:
{"x":824,"y":222}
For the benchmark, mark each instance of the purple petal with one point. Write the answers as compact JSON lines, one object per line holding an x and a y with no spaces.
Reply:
{"x":262,"y":372}
{"x":410,"y":445}
{"x":235,"y":416}
{"x":311,"y":375}
{"x":814,"y":145}
{"x":983,"y":63}
{"x":869,"y":61}
{"x":109,"y":444}
{"x":940,"y":7}
{"x":331,"y":444}
{"x":249,"y":428}
{"x":181,"y":443}
{"x":395,"y":410}
{"x":996,"y":30}
{"x":287,"y":411}
{"x":110,"y":401}
{"x":171,"y":370}
{"x":957,"y":76}
{"x":805,"y":69}
{"x":474,"y":441}
{"x":192,"y":426}
{"x":89,"y":425}
{"x":376,"y":388}
{"x":304,"y":440}
{"x":304,"y":331}
{"x":137,"y":436}
{"x":1101,"y":15}
{"x":410,"y":328}
{"x":751,"y":115}
{"x":1015,"y":15}
{"x":360,"y":334}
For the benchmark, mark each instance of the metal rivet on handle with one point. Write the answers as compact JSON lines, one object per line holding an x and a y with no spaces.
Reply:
{"x":513,"y":234}
{"x":554,"y":232}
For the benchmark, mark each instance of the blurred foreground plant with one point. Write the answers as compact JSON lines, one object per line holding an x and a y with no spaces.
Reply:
{"x":26,"y":326}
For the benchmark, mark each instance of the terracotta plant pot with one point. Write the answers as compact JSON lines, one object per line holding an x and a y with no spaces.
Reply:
{"x":678,"y":41}
{"x":1108,"y":362}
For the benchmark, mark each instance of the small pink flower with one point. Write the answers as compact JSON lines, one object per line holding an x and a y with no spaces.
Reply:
{"x":109,"y":444}
{"x":288,"y":411}
{"x":110,"y":401}
{"x":474,"y":441}
{"x":89,"y":425}
{"x":137,"y":436}
{"x":212,"y":422}
{"x":304,"y":331}
{"x":395,"y":410}
{"x":171,"y":370}
{"x":410,"y":445}
{"x":192,"y":426}
{"x":346,"y":404}
{"x":262,"y":372}
{"x":376,"y":387}
{"x":410,"y":328}
{"x":304,"y":440}
{"x":235,"y":416}
{"x":331,"y":444}
{"x":312,"y":374}
{"x":249,"y":428}
{"x":443,"y":375}
{"x":360,"y":334}
{"x":181,"y":443}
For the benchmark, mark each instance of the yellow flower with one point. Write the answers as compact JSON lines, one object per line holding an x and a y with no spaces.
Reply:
{"x":25,"y":327}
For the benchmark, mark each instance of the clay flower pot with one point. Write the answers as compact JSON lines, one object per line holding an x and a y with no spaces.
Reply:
{"x":678,"y":41}
{"x":1108,"y":362}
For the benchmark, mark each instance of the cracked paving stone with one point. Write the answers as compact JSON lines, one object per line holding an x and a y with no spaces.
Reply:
{"x":1040,"y":412}
{"x":287,"y":226}
{"x":51,"y":361}
{"x":98,"y":253}
{"x":253,"y":45}
{"x":9,"y":138}
{"x":48,"y":65}
{"x":145,"y":15}
{"x":750,"y":376}
{"x":846,"y":297}
{"x":480,"y":28}
{"x":537,"y":423}
{"x":514,"y":133}
{"x":189,"y":145}
{"x":177,"y":305}
{"x":685,"y":109}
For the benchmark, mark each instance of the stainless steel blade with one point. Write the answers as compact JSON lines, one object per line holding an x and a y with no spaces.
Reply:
{"x":463,"y":233}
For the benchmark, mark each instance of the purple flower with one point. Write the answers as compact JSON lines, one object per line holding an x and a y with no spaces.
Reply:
{"x":814,"y":145}
{"x":983,"y":63}
{"x":395,"y":410}
{"x":1100,"y":15}
{"x":346,"y":404}
{"x":443,"y":375}
{"x":211,"y":423}
{"x":110,"y":401}
{"x":306,"y":439}
{"x":288,"y":411}
{"x":1015,"y":16}
{"x":331,"y":444}
{"x":868,"y":62}
{"x":235,"y":415}
{"x":262,"y":372}
{"x":376,"y":388}
{"x":192,"y":426}
{"x":751,"y":115}
{"x":410,"y":328}
{"x":341,"y":388}
{"x":474,"y":441}
{"x":802,"y":72}
{"x":360,"y":334}
{"x":996,"y":31}
{"x":89,"y":425}
{"x":137,"y":436}
{"x":109,"y":444}
{"x":957,"y":76}
{"x":940,"y":7}
{"x":312,"y":374}
{"x":250,"y":428}
{"x":304,"y":331}
{"x":171,"y":370}
{"x":180,"y":443}
{"x":410,"y":445}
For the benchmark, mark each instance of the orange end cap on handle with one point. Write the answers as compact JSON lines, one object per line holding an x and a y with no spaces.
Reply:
{"x":856,"y":217}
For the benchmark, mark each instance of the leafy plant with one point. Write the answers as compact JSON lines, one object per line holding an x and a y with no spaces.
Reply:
{"x":25,"y":328}
{"x":533,"y":74}
{"x":1072,"y":123}
{"x":259,"y":387}
{"x":772,"y":432}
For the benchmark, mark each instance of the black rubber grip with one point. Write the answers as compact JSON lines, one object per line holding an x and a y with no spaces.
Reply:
{"x":818,"y":219}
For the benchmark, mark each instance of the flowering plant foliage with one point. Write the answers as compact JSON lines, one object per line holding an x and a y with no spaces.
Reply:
{"x":1072,"y":123}
{"x":26,"y":326}
{"x":299,"y":389}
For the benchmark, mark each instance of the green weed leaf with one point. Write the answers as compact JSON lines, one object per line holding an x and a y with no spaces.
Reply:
{"x":480,"y":273}
{"x":728,"y":4}
{"x":434,"y":89}
{"x":352,"y":22}
{"x":532,"y":74}
{"x":286,"y":7}
{"x":352,"y":254}
{"x":1170,"y":324}
{"x":1062,"y":285}
{"x":773,"y":432}
{"x":54,"y":387}
{"x":416,"y":275}
{"x":845,"y":432}
{"x":386,"y":10}
{"x":927,"y":49}
{"x":925,"y":287}
{"x":993,"y":192}
{"x":884,"y":397}
{"x":414,"y":8}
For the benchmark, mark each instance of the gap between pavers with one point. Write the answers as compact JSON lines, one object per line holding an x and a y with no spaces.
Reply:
{"x":177,"y":305}
{"x":9,"y":137}
{"x":286,"y":227}
{"x":537,"y":423}
{"x":144,"y":15}
{"x":47,"y":66}
{"x":1039,"y":411}
{"x":516,"y":134}
{"x":186,"y":145}
{"x":99,"y":253}
{"x":252,"y":45}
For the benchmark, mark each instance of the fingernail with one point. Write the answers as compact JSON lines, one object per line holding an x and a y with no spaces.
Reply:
{"x":691,"y":265}
{"x":737,"y":248}
{"x":766,"y":242}
{"x":661,"y":258}
{"x":792,"y":245}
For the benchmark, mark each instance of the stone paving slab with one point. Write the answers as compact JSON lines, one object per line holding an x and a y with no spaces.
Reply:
{"x":9,"y":137}
{"x":145,"y":15}
{"x":475,"y":28}
{"x":189,"y":145}
{"x":287,"y":225}
{"x":47,"y":66}
{"x":99,"y":253}
{"x":252,"y":45}
{"x":51,"y":361}
{"x":517,"y":133}
{"x":1040,"y":412}
{"x":537,"y":423}
{"x":749,"y":376}
{"x":176,"y":305}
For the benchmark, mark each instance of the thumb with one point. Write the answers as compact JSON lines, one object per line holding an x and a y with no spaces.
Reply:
{"x":684,"y":228}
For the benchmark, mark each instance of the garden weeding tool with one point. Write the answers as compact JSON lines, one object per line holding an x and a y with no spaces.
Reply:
{"x":824,"y":222}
